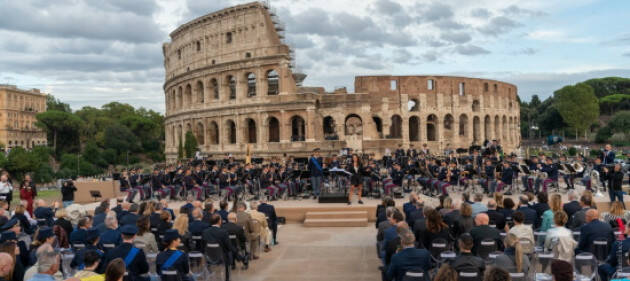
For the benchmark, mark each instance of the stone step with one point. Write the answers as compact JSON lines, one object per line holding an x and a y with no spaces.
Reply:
{"x":337,"y":215}
{"x":355,"y":222}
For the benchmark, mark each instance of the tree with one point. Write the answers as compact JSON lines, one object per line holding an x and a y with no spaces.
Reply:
{"x":620,"y":122}
{"x":21,"y":161}
{"x":180,"y":150}
{"x":615,"y":102}
{"x":191,"y":144}
{"x":54,"y":104}
{"x":121,"y":139}
{"x":63,"y":129}
{"x":577,"y":105}
{"x":609,"y":86}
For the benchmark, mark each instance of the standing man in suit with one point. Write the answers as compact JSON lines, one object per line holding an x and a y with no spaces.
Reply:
{"x":408,"y":258}
{"x":317,"y":173}
{"x":272,"y":219}
{"x":592,"y":230}
{"x":607,"y":156}
{"x":135,"y":260}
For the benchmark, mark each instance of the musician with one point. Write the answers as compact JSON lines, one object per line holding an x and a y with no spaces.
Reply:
{"x":467,"y":173}
{"x":425,"y":149}
{"x":608,"y":156}
{"x":191,"y":185}
{"x":567,"y":177}
{"x":615,"y":180}
{"x":487,"y":181}
{"x":588,"y":181}
{"x":356,"y":179}
{"x":397,"y":176}
{"x":334,"y":163}
{"x":157,"y":183}
{"x":266,"y":182}
{"x":527,"y":179}
{"x":125,"y":186}
{"x":134,"y":179}
{"x":412,"y":153}
{"x":443,"y":178}
{"x":552,"y":173}
{"x":505,"y":178}
{"x":317,"y":172}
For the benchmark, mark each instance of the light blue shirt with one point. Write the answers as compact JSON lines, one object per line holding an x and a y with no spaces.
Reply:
{"x":41,"y":277}
{"x":478,"y":208}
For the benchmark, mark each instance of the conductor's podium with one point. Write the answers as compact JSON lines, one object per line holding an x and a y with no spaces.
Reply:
{"x":336,"y":219}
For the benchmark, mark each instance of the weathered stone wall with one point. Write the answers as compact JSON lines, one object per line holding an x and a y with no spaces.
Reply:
{"x":238,"y":91}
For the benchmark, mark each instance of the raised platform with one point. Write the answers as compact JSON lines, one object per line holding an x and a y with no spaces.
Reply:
{"x":336,"y":219}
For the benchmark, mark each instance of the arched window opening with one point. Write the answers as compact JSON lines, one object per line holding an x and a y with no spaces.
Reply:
{"x":231,"y":132}
{"x":353,"y":125}
{"x":414,"y":128}
{"x":274,"y":130}
{"x":180,"y":98}
{"x":213,"y":133}
{"x":430,"y":84}
{"x":462,"y":88}
{"x":250,"y":131}
{"x":378,"y":123}
{"x":487,"y":124}
{"x":298,"y":128}
{"x":188,"y":95}
{"x":475,"y":106}
{"x":200,"y":93}
{"x":198,"y":46}
{"x":251,"y":84}
{"x":395,"y":129}
{"x":215,"y":88}
{"x":272,"y":82}
{"x":232,"y":86}
{"x":413,"y":105}
{"x":463,"y":126}
{"x":330,"y":130}
{"x":497,"y":127}
{"x":432,"y":127}
{"x":476,"y":130}
{"x":228,"y":37}
{"x":485,"y":87}
{"x":448,"y":126}
{"x":504,"y":136}
{"x":199,"y":134}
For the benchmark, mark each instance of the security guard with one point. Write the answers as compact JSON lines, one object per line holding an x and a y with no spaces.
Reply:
{"x":134,"y":258}
{"x":91,"y":239}
{"x":171,"y":258}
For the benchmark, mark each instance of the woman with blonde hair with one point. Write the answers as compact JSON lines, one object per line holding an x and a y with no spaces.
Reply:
{"x":447,"y":206}
{"x":513,"y":259}
{"x":554,"y":207}
{"x":466,"y":223}
{"x":559,"y":239}
{"x":616,"y":212}
{"x":498,"y":197}
{"x":62,"y":228}
{"x":181,"y":225}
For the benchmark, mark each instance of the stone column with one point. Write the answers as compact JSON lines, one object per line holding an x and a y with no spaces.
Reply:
{"x":405,"y":131}
{"x":285,"y":127}
{"x":309,"y":124}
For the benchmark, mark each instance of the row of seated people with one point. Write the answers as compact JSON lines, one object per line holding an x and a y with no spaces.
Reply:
{"x":148,"y":228}
{"x":505,"y":236}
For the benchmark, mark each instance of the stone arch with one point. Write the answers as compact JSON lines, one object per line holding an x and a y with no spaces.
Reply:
{"x":274,"y":129}
{"x":414,"y":128}
{"x":199,"y":133}
{"x":249,"y":130}
{"x":214,"y":88}
{"x":497,"y":127}
{"x":476,"y":130}
{"x":449,"y":123}
{"x":231,"y":85}
{"x":188,"y":96}
{"x":199,"y":93}
{"x":395,"y":128}
{"x":432,"y":131}
{"x":230,"y":131}
{"x":298,"y":128}
{"x":504,"y":137}
{"x":353,"y":125}
{"x":413,"y":105}
{"x":180,"y":98}
{"x":179,"y":137}
{"x":476,"y":106}
{"x":213,"y":133}
{"x":463,"y":126}
{"x":251,"y":84}
{"x":329,"y":128}
{"x":173,"y":100}
{"x":273,"y":82}
{"x":487,"y":125}
{"x":378,"y":126}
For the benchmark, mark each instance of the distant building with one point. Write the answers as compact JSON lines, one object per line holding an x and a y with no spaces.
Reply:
{"x":230,"y":80}
{"x":18,"y":109}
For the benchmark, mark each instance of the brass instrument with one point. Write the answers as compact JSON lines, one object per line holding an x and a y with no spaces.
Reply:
{"x":577,"y":167}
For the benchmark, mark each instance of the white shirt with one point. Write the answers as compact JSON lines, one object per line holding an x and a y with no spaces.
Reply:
{"x":5,"y":187}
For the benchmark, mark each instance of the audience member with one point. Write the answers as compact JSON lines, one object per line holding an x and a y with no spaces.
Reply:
{"x":559,"y":239}
{"x":466,"y":260}
{"x":408,"y":258}
{"x":607,"y":269}
{"x":482,"y":231}
{"x":529,"y":214}
{"x":446,"y":273}
{"x":561,"y":270}
{"x":592,"y":230}
{"x":573,"y":205}
{"x":478,"y":207}
{"x":496,"y":218}
{"x":513,"y":257}
{"x":496,"y":274}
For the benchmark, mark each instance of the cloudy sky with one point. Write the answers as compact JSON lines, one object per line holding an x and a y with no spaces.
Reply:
{"x":91,"y":52}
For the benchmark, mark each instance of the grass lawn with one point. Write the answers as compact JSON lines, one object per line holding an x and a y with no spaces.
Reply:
{"x":50,"y":195}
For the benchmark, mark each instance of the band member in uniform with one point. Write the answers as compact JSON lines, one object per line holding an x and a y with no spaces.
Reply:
{"x":552,"y":173}
{"x":356,"y":178}
{"x":506,"y":177}
{"x":567,"y":177}
{"x":615,"y":180}
{"x":317,"y":173}
{"x":487,"y":180}
{"x":608,"y":156}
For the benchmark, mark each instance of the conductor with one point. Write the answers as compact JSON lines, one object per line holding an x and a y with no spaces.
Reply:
{"x":356,"y":178}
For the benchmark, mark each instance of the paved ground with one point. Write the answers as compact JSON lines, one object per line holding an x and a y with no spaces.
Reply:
{"x":343,"y":254}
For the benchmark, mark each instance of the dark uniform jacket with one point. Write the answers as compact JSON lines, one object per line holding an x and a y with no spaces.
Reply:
{"x":136,"y":267}
{"x":180,"y":265}
{"x":46,"y":214}
{"x":235,"y":229}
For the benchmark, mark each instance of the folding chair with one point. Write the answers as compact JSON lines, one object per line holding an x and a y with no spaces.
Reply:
{"x":585,"y":266}
{"x":151,"y":257}
{"x":469,"y":276}
{"x":66,"y":260}
{"x":197,"y":264}
{"x":600,"y":249}
{"x":518,"y":276}
{"x":414,"y":275}
{"x":215,"y":260}
{"x":542,"y":265}
{"x":486,"y":247}
{"x":169,"y":275}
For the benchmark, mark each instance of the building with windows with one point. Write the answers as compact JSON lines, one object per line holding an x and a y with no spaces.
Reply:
{"x":230,"y":80}
{"x":18,"y":109}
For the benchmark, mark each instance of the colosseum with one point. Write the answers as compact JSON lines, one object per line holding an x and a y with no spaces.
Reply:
{"x":230,"y":80}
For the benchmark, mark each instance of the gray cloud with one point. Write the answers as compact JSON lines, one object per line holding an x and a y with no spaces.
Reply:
{"x":447,"y":24}
{"x":435,"y":11}
{"x":515,"y":10}
{"x":402,"y":56}
{"x":498,"y":25}
{"x":79,"y":20}
{"x":471,"y":50}
{"x":527,"y":51}
{"x":456,"y":37}
{"x":481,"y":13}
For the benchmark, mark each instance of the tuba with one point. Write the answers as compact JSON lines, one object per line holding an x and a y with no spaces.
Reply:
{"x":578,"y":167}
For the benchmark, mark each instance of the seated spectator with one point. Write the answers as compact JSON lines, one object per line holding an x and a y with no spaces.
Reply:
{"x":171,"y":258}
{"x":111,"y":235}
{"x":91,"y":261}
{"x":416,"y":214}
{"x":420,"y":225}
{"x":446,"y":273}
{"x":410,"y":206}
{"x":262,"y":222}
{"x":478,"y":206}
{"x":393,"y":245}
{"x":145,"y":236}
{"x":241,"y":240}
{"x":181,"y":225}
{"x":47,"y":266}
{"x":592,"y":230}
{"x":607,"y":269}
{"x":390,"y":233}
{"x":529,"y":213}
{"x":389,"y":212}
{"x":559,"y":239}
{"x":617,"y":213}
{"x":513,"y":259}
{"x":91,"y":244}
{"x":547,"y":215}
{"x":408,"y":258}
{"x":496,"y":218}
{"x":522,"y":231}
{"x":115,"y":270}
{"x":133,"y":256}
{"x":447,"y":206}
{"x":579,"y":218}
{"x":43,"y":214}
{"x":466,"y":260}
{"x":80,"y":234}
{"x":45,"y":236}
{"x":540,"y":207}
{"x":380,"y":209}
{"x":496,"y":274}
{"x":561,"y":270}
{"x":508,"y":210}
{"x":573,"y":205}
{"x":6,"y":266}
{"x":484,"y":232}
{"x":436,"y":229}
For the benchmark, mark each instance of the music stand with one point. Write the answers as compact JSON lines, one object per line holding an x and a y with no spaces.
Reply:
{"x":95,"y":195}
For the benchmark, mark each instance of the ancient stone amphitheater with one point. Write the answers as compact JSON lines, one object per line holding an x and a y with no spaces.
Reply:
{"x":230,"y":80}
